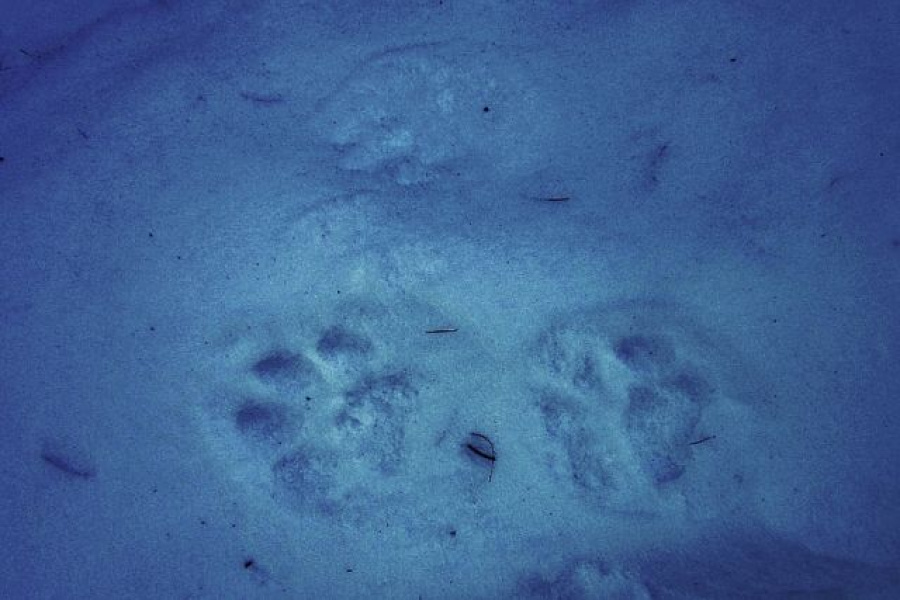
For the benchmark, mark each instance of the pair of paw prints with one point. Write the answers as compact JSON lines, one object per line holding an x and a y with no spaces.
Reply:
{"x":318,"y":417}
{"x":624,"y":392}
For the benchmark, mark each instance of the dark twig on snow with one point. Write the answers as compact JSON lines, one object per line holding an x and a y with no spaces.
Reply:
{"x":442,"y":330}
{"x":552,"y":198}
{"x":481,"y":445}
{"x":702,"y":440}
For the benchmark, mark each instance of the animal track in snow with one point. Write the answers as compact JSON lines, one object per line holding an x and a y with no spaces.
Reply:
{"x":626,"y":390}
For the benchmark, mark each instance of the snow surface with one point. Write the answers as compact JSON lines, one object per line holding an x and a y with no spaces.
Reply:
{"x":289,"y":312}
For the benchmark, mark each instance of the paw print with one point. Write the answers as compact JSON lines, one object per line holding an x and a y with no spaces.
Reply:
{"x":622,"y":392}
{"x":316,"y":412}
{"x":319,"y":413}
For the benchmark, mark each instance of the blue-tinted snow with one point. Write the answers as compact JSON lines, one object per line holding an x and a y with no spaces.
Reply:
{"x":449,"y":299}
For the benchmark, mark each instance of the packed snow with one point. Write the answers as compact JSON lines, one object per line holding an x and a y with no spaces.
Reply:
{"x":450,"y":299}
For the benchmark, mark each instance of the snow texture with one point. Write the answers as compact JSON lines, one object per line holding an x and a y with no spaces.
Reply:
{"x":483,"y":299}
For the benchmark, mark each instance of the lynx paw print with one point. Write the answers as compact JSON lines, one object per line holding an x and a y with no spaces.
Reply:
{"x":315,"y":412}
{"x":415,"y":114}
{"x":627,"y":392}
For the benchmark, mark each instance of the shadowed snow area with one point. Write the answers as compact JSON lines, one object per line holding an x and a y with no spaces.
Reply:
{"x":450,"y":299}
